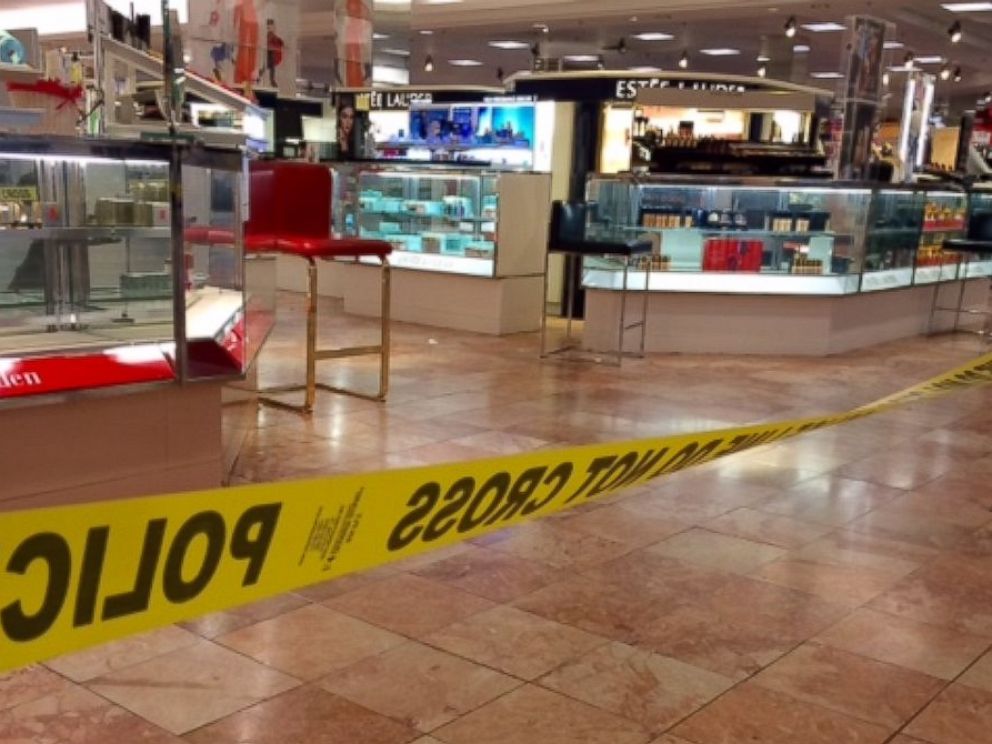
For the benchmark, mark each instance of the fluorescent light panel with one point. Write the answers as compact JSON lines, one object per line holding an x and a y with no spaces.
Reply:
{"x":801,"y":48}
{"x":826,"y":75}
{"x":720,"y":52}
{"x":581,"y":57}
{"x":509,"y":44}
{"x":893,"y":45}
{"x":464,"y":63}
{"x":967,"y":7}
{"x":932,"y":59}
{"x":397,"y":52}
{"x":819,"y":28}
{"x":654,"y":36}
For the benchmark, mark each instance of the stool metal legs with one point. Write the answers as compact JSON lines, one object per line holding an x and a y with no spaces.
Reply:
{"x":314,"y":355}
{"x":959,"y":309}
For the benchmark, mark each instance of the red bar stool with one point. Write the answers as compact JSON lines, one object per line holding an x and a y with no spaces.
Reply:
{"x":290,"y":214}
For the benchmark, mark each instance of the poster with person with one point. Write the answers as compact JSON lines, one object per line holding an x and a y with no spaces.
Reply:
{"x":866,"y":44}
{"x":246,"y":44}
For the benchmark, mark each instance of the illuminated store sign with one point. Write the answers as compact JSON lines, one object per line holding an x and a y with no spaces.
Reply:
{"x":397,"y":100}
{"x":626,"y":90}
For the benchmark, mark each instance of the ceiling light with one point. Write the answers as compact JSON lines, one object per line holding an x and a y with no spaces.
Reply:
{"x":684,"y":60}
{"x":397,"y":52}
{"x":426,"y":32}
{"x":886,"y":78}
{"x":826,"y":75}
{"x":654,"y":36}
{"x":509,"y":44}
{"x":720,"y":52}
{"x":954,"y":32}
{"x":932,"y":59}
{"x":763,"y":58}
{"x":967,"y":7}
{"x":581,"y":57}
{"x":893,"y":45}
{"x":908,"y":60}
{"x":600,"y":65}
{"x":945,"y":73}
{"x":464,"y":63}
{"x":441,"y":2}
{"x":801,"y":48}
{"x":819,"y":28}
{"x":762,"y":71}
{"x":790,"y":27}
{"x":645,"y":69}
{"x":379,"y":37}
{"x":957,"y":75}
{"x":542,"y":27}
{"x":429,"y":64}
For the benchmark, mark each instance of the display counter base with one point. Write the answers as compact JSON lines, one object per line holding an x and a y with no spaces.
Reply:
{"x":491,"y":306}
{"x":692,"y":323}
{"x":160,"y":440}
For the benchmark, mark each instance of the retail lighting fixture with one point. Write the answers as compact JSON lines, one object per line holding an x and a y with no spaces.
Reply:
{"x":945,"y":73}
{"x":908,"y":60}
{"x":821,"y":28}
{"x":967,"y":7}
{"x":932,"y":59}
{"x":441,"y":2}
{"x":429,"y":64}
{"x":763,"y":58}
{"x":379,"y":37}
{"x":801,"y":49}
{"x":509,"y":44}
{"x":684,"y":60}
{"x":654,"y":36}
{"x":581,"y":58}
{"x":954,"y":32}
{"x":893,"y":45}
{"x":544,"y":28}
{"x":886,"y":78}
{"x":790,"y":27}
{"x":464,"y":63}
{"x":397,"y":52}
{"x":720,"y":52}
{"x":762,"y":71}
{"x":645,"y":69}
{"x":826,"y":75}
{"x":957,"y":75}
{"x":426,"y":32}
{"x":600,"y":65}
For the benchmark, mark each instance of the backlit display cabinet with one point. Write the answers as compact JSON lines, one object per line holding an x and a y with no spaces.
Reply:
{"x":107,"y":274}
{"x":454,"y":221}
{"x":771,"y":236}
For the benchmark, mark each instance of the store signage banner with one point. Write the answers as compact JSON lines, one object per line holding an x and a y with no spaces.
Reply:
{"x":246,"y":43}
{"x":352,"y":43}
{"x":76,"y":576}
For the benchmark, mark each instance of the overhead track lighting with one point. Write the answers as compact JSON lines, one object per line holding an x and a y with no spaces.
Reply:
{"x":762,"y":71}
{"x":908,"y":60}
{"x":955,"y":32}
{"x":945,"y":73}
{"x":684,"y":60}
{"x":957,"y":75}
{"x":886,"y":78}
{"x":429,"y":64}
{"x":790,"y":27}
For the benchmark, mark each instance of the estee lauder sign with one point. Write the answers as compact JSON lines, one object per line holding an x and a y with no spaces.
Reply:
{"x":397,"y":100}
{"x":12,"y":380}
{"x":627,"y":89}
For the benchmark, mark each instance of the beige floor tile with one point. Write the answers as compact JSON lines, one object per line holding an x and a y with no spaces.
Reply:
{"x":75,"y":715}
{"x":655,"y":691}
{"x":27,"y":684}
{"x":980,"y":675}
{"x":557,"y":546}
{"x":531,"y":715}
{"x":495,"y":576}
{"x":623,"y":526}
{"x":196,"y":685}
{"x":830,"y":500}
{"x":420,"y":686}
{"x":409,"y":605}
{"x":310,"y":642}
{"x":308,"y":714}
{"x":514,"y":641}
{"x":717,"y":551}
{"x":930,"y":649}
{"x":219,"y":623}
{"x":99,"y":660}
{"x":752,"y":524}
{"x":845,"y":585}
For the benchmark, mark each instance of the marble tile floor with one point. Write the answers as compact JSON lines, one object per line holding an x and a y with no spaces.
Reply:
{"x":835,"y":589}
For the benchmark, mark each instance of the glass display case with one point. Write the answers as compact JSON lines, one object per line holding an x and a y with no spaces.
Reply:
{"x":99,"y":285}
{"x":769,"y":236}
{"x":457,"y":221}
{"x":980,"y":228}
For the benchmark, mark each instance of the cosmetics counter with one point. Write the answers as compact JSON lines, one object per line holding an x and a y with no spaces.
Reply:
{"x":779,"y":266}
{"x":106,"y":288}
{"x":469,"y":244}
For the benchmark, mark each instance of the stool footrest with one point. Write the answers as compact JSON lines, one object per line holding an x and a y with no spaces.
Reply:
{"x":351,"y":351}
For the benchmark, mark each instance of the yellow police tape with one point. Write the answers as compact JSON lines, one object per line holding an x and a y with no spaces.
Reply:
{"x":77,"y":576}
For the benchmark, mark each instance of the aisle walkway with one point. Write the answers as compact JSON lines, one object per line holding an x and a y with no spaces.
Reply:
{"x":831,"y":590}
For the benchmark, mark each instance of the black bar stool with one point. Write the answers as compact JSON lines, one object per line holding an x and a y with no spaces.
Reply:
{"x":977,"y":244}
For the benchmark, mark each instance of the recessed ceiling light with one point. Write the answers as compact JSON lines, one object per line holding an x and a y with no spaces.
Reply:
{"x":790,"y":27}
{"x":955,"y":32}
{"x":654,"y":36}
{"x":819,"y":28}
{"x":464,"y":63}
{"x":509,"y":44}
{"x":426,"y":32}
{"x":933,"y":59}
{"x":644,"y":68}
{"x":826,"y":75}
{"x":801,"y":48}
{"x":763,"y":58}
{"x":581,"y":57}
{"x":397,"y":52}
{"x":684,"y":60}
{"x":893,"y":45}
{"x":441,"y":2}
{"x":542,"y":27}
{"x":720,"y":52}
{"x":967,"y":7}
